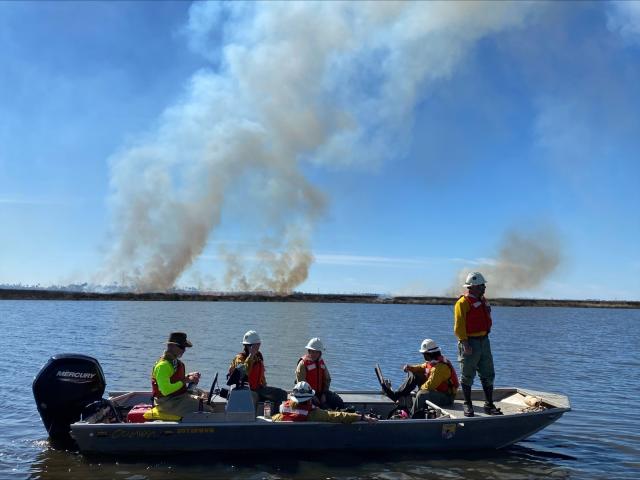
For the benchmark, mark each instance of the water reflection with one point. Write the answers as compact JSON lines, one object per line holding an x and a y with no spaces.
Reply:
{"x":513,"y":463}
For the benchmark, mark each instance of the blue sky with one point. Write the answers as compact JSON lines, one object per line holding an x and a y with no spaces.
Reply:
{"x":357,"y":147}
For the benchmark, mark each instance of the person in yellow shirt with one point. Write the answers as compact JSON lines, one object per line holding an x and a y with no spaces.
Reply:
{"x":300,"y":408}
{"x":472,"y":325}
{"x":169,"y":379}
{"x":436,"y":379}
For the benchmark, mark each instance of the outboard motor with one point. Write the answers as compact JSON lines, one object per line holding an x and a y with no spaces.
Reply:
{"x":63,"y":388}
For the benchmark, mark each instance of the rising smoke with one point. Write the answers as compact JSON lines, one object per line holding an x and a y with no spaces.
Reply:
{"x":523,"y":261}
{"x":331,"y":83}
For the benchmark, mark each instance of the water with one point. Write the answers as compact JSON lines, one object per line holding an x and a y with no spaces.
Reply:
{"x":591,"y":355}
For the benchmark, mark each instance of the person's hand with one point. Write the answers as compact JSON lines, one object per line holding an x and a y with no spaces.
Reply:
{"x":368,"y":418}
{"x":466,"y":349}
{"x":405,"y":368}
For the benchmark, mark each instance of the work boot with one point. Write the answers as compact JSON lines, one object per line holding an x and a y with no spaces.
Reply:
{"x":489,"y":406}
{"x":467,"y":406}
{"x":388,"y":391}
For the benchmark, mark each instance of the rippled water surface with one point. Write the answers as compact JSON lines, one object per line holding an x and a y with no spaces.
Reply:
{"x":591,"y":355}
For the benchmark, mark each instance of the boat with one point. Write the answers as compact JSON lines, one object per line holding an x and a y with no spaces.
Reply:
{"x":69,"y":396}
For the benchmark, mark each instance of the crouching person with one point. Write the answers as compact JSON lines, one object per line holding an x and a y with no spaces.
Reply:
{"x":169,"y":380}
{"x":300,"y":408}
{"x":312,"y":369}
{"x":436,"y":378}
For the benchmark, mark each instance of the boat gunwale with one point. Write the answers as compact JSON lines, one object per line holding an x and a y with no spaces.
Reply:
{"x":449,"y":416}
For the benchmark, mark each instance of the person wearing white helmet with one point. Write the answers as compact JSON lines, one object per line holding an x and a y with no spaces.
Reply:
{"x":436,"y":379}
{"x":300,"y":408}
{"x":312,"y":369}
{"x":472,"y":324}
{"x":251,"y":362}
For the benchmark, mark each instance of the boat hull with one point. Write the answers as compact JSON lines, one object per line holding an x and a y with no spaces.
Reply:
{"x":442,"y":434}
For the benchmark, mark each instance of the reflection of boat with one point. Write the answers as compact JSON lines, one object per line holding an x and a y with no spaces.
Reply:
{"x":68,"y":383}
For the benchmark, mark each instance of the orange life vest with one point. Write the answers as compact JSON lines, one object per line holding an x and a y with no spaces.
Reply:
{"x":316,"y":372}
{"x":479,"y":316}
{"x":257,"y":370}
{"x":298,"y":414}
{"x":451,"y":384}
{"x":178,"y":376}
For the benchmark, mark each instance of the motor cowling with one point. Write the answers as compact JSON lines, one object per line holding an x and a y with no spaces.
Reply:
{"x":65,"y":385}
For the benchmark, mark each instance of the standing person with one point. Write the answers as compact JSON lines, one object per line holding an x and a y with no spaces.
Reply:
{"x":472,"y":324}
{"x":300,"y":408}
{"x":169,"y":379}
{"x":312,"y":369}
{"x":436,"y":379}
{"x":250,"y":360}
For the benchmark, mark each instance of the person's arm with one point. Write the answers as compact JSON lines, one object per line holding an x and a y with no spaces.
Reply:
{"x":438,"y":374}
{"x":301,"y":372}
{"x":415,"y":368}
{"x":234,"y":363}
{"x":163,"y":372}
{"x":460,"y":319}
{"x":327,"y":378}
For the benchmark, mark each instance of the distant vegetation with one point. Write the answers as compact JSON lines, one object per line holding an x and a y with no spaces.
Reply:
{"x":8,"y":292}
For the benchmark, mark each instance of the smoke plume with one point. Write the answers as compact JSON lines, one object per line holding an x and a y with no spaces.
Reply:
{"x":524,"y":261}
{"x":290,"y":84}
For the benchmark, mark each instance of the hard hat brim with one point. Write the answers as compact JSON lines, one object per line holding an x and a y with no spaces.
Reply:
{"x":300,"y":398}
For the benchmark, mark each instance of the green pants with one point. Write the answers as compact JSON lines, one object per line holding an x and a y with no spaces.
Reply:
{"x":180,"y":405}
{"x":480,"y":361}
{"x":439,"y":398}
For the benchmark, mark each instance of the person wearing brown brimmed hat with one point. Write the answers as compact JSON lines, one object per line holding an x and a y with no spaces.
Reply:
{"x":169,"y":379}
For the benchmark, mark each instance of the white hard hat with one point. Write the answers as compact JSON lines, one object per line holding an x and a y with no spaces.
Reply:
{"x":250,"y":338}
{"x":474,"y":278}
{"x":429,"y":346}
{"x":301,"y":392}
{"x":315,"y":344}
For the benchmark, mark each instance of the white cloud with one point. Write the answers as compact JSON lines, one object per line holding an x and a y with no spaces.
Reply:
{"x":624,"y":18}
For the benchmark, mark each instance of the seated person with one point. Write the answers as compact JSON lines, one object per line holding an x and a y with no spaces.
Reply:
{"x":252,"y":362}
{"x":436,"y":379}
{"x":169,"y":380}
{"x":300,"y":408}
{"x":312,"y":369}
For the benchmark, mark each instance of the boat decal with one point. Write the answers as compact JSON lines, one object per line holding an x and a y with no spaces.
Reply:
{"x":75,"y":377}
{"x":448,"y":431}
{"x":195,"y":430}
{"x":130,"y":433}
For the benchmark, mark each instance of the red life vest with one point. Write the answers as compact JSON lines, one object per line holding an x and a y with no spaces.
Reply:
{"x":298,"y":414}
{"x":178,"y":376}
{"x":451,"y":384}
{"x":479,"y":316}
{"x":316,"y":372}
{"x":256,"y":374}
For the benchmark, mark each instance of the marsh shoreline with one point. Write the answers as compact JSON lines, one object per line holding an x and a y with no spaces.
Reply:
{"x":35,"y":294}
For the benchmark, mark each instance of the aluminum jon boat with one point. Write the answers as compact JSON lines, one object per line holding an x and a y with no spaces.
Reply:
{"x":68,"y":385}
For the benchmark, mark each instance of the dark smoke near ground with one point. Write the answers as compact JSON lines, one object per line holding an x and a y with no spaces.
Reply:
{"x":524,"y":261}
